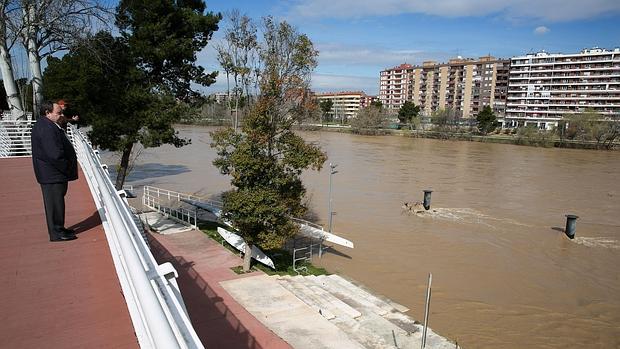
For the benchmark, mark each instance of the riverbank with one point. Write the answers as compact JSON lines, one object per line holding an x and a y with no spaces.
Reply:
{"x":498,"y":261}
{"x":539,"y":141}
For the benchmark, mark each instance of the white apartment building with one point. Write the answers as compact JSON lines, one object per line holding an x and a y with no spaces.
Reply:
{"x":346,"y":104}
{"x":543,"y":87}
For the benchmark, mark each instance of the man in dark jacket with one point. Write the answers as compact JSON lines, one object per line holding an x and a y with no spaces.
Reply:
{"x":55,"y":164}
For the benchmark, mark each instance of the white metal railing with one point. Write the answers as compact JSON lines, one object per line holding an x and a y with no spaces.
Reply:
{"x":15,"y":138}
{"x":163,"y":200}
{"x":152,"y":295}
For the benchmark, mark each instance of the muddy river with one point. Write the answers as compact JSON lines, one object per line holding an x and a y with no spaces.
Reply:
{"x":504,"y":274}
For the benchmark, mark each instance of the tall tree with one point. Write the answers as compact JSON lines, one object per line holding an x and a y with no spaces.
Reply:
{"x":408,"y":113}
{"x":326,"y":107}
{"x":237,"y":55}
{"x":49,"y":26}
{"x":151,"y":69}
{"x":487,"y":122}
{"x":9,"y":10}
{"x":267,"y":158}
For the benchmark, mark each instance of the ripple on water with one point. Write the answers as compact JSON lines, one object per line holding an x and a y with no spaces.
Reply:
{"x":600,"y":242}
{"x":467,"y":215}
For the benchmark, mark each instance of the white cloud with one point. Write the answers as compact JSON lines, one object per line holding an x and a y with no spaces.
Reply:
{"x":552,"y":10}
{"x":541,"y":30}
{"x":378,"y":57}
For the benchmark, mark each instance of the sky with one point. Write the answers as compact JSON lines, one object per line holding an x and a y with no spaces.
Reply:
{"x":356,"y":39}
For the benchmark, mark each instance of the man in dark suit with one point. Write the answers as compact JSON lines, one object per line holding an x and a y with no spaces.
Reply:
{"x":55,"y":164}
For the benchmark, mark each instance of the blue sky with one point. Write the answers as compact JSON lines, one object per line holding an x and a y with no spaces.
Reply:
{"x":356,"y":39}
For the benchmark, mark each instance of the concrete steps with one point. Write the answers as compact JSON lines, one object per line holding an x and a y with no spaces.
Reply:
{"x":307,"y":296}
{"x":369,"y":320}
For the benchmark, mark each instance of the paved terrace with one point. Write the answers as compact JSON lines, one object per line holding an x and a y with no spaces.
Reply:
{"x":56,"y":295}
{"x":67,"y":295}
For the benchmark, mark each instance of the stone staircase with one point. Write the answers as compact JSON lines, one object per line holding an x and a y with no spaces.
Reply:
{"x":369,"y":320}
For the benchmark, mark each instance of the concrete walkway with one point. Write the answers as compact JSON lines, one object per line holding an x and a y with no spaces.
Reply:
{"x":202,"y":264}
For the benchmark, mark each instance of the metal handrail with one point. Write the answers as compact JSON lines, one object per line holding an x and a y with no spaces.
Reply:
{"x":150,"y":193}
{"x":155,"y":305}
{"x":15,"y":138}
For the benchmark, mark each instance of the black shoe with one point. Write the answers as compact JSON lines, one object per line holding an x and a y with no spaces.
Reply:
{"x":64,"y":237}
{"x":68,"y":231}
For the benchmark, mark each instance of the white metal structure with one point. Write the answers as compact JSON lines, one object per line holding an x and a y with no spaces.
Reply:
{"x":15,"y":138}
{"x":152,"y":295}
{"x":163,"y":200}
{"x":153,"y":298}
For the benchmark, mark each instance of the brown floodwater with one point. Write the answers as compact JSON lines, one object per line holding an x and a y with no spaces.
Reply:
{"x":504,"y":274}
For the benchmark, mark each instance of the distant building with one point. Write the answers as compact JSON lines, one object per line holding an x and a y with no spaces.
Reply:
{"x":543,"y":86}
{"x":219,"y":97}
{"x":346,"y":104}
{"x":464,"y":85}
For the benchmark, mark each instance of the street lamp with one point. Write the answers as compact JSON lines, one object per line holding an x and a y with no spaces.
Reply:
{"x":332,"y":171}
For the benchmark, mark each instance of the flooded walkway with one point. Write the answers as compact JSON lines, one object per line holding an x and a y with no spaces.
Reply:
{"x":504,"y":275}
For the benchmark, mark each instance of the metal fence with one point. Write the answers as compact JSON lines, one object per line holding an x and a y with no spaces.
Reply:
{"x":15,"y":138}
{"x":169,"y":203}
{"x":150,"y":290}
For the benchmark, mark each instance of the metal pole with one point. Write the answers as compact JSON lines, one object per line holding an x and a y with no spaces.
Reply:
{"x":428,"y":303}
{"x":331,"y":212}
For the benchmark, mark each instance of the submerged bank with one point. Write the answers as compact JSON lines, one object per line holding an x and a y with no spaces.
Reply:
{"x":541,"y":141}
{"x":503,"y":277}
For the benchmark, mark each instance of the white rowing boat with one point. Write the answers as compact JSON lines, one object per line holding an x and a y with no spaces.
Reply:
{"x":237,"y":242}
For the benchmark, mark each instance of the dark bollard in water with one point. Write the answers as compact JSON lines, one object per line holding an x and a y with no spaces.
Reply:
{"x":571,"y":224}
{"x":427,"y":199}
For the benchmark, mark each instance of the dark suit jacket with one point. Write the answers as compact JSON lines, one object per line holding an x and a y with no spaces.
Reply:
{"x":53,"y":156}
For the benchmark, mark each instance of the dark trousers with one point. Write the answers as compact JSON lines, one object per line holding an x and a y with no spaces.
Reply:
{"x":54,"y":201}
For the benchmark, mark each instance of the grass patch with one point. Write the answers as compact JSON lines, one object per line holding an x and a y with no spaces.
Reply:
{"x":282,"y":259}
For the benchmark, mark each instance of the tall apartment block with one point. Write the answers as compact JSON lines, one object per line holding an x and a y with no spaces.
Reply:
{"x":543,"y":87}
{"x":464,"y":85}
{"x":346,"y":104}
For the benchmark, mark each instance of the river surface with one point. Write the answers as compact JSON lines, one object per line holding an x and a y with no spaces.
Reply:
{"x":504,"y":274}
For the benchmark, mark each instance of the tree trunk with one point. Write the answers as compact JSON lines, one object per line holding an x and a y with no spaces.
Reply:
{"x":34,"y":60}
{"x":122,"y":169}
{"x":236,"y":112}
{"x":247,"y":258}
{"x":8,"y":80}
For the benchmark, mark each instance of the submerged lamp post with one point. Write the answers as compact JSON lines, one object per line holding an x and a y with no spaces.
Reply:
{"x":332,"y":171}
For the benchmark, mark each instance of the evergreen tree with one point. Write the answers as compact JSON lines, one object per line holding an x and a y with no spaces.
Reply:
{"x":326,"y":107}
{"x":131,"y":88}
{"x":407,"y":113}
{"x":487,"y":122}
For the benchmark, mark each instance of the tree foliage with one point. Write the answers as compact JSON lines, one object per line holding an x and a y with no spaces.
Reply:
{"x":326,"y":107}
{"x":487,"y":122}
{"x":238,"y":57}
{"x":266,"y":159}
{"x":408,"y":113}
{"x":369,"y":120}
{"x":131,"y":88}
{"x":591,"y":126}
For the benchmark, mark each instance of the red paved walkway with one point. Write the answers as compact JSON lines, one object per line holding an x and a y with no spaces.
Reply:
{"x":218,"y":319}
{"x":56,"y":295}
